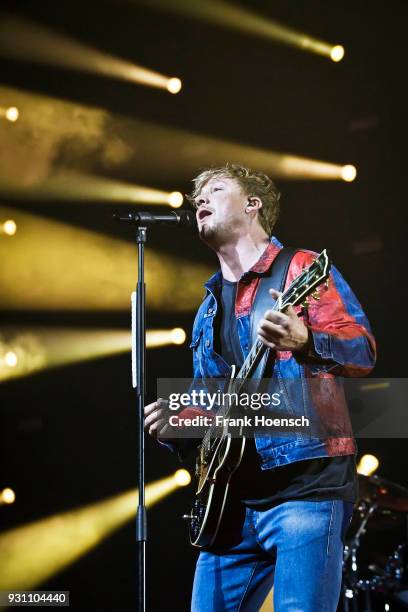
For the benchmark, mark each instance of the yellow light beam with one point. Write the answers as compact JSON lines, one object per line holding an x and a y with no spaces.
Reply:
{"x":337,"y":53}
{"x":25,"y":40}
{"x":7,"y":496}
{"x":348,"y":173}
{"x":33,"y":553}
{"x":182,"y":477}
{"x":367,"y":465}
{"x":25,"y":351}
{"x":55,"y":266}
{"x":8,"y":227}
{"x":80,"y":136}
{"x":10,"y":113}
{"x":236,"y":18}
{"x":165,"y":337}
{"x":77,"y":187}
{"x":72,"y":185}
{"x":10,"y":359}
{"x":375,"y":386}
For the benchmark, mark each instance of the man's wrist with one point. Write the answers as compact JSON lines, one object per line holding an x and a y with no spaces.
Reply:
{"x":307,"y":347}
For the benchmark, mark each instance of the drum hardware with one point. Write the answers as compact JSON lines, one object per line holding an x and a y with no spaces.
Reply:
{"x":381,"y":499}
{"x":352,"y":585}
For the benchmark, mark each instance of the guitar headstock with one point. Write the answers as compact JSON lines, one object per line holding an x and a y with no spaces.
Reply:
{"x":307,"y":282}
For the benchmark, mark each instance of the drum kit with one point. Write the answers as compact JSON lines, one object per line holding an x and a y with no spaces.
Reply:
{"x":375,"y":563}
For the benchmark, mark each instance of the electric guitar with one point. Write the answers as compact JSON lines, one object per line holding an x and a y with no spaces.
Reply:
{"x":220,"y":453}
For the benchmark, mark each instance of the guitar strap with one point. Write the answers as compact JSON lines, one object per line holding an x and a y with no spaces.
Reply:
{"x":274,"y":278}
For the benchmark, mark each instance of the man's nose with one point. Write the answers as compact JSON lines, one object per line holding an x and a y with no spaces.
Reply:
{"x":202,"y":200}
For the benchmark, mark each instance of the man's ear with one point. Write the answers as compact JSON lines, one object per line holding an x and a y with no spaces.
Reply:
{"x":253,"y":204}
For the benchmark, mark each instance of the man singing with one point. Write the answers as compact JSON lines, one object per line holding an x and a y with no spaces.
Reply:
{"x":292,"y":497}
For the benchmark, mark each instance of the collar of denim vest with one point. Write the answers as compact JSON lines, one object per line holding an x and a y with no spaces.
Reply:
{"x":262,"y":265}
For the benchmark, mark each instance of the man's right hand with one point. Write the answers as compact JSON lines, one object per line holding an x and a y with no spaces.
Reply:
{"x":156,"y":418}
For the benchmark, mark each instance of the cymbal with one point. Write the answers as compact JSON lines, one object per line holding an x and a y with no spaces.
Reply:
{"x":384,"y":493}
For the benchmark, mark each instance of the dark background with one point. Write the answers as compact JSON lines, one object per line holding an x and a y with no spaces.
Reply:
{"x":68,"y":435}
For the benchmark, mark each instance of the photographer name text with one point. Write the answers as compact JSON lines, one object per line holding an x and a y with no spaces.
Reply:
{"x":245,"y":421}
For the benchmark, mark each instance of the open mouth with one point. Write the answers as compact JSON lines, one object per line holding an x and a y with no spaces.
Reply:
{"x":203,"y":213}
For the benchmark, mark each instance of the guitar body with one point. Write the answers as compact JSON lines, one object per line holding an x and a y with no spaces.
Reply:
{"x":210,"y":499}
{"x":216,"y":463}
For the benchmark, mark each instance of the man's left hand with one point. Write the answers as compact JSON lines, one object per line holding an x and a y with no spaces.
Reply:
{"x":283,"y":331}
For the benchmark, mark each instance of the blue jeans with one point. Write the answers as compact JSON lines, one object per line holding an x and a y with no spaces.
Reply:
{"x":296,"y":546}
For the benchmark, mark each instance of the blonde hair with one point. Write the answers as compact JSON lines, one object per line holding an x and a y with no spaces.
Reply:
{"x":252,"y":183}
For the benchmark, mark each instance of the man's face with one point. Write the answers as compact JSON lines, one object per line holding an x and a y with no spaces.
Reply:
{"x":221,"y":213}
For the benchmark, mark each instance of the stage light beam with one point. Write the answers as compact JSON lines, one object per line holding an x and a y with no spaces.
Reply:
{"x":241,"y":19}
{"x":11,"y":113}
{"x":7,"y":496}
{"x":367,"y":465}
{"x":175,"y":199}
{"x":71,"y":268}
{"x":164,"y":337}
{"x":10,"y":359}
{"x":174,"y":85}
{"x":25,"y":351}
{"x":24,"y":40}
{"x":178,"y":335}
{"x":33,"y":553}
{"x":368,"y":387}
{"x":28,"y":170}
{"x":348,"y":173}
{"x":9,"y":227}
{"x":337,"y":53}
{"x":78,"y":187}
{"x":182,"y":478}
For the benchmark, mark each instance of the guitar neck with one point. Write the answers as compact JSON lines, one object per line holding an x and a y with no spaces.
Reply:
{"x":254,"y":356}
{"x":258,"y":349}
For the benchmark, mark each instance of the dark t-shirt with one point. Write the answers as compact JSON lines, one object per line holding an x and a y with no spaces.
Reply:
{"x":311,"y":479}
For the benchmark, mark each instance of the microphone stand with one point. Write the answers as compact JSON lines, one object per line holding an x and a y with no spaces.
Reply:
{"x":143,"y":220}
{"x":140,"y":359}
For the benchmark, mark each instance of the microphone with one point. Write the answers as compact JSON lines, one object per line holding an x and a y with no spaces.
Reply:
{"x":143,"y":218}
